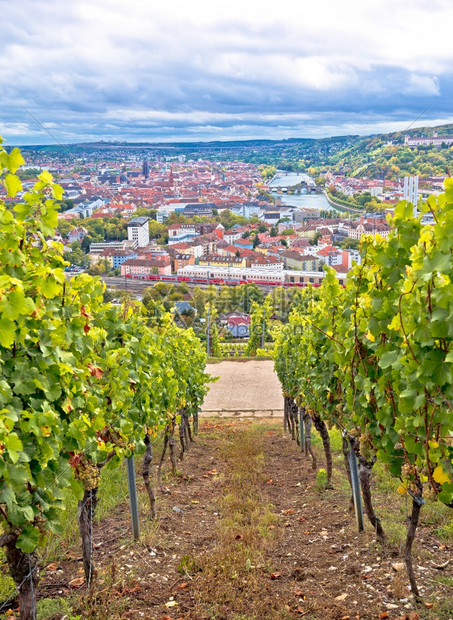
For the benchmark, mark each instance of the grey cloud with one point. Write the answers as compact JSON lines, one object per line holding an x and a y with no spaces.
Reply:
{"x":99,"y":69}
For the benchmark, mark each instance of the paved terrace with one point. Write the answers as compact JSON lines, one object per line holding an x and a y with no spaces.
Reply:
{"x":245,"y":388}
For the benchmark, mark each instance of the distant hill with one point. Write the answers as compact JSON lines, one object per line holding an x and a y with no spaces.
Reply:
{"x":381,"y":156}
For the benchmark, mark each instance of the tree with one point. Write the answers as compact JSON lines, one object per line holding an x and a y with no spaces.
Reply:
{"x":259,"y":325}
{"x":350,"y":244}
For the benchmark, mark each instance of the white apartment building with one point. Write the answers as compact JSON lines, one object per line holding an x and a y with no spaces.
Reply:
{"x":138,"y":230}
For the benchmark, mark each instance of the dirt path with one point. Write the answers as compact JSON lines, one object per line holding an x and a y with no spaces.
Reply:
{"x":245,"y":388}
{"x":244,"y":534}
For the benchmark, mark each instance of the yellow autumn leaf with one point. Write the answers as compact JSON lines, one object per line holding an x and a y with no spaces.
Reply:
{"x":440,"y":476}
{"x":395,"y":324}
{"x":402,"y":490}
{"x":370,"y":336}
{"x":426,"y":235}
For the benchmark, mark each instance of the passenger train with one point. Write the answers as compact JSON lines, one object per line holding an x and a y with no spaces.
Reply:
{"x":234,"y":276}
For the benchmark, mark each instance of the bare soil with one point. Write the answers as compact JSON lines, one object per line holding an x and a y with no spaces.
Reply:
{"x":313,"y":563}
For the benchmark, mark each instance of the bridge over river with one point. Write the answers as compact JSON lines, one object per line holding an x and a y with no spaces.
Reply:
{"x":295,"y":181}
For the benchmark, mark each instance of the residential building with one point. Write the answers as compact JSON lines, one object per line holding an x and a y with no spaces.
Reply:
{"x":238,"y":323}
{"x":77,"y":234}
{"x":181,"y":260}
{"x":146,"y":267}
{"x":356,"y":231}
{"x":97,"y":248}
{"x":84,"y":209}
{"x":247,"y":210}
{"x":260,"y":261}
{"x":117,"y":257}
{"x":201,"y":208}
{"x":302,"y":262}
{"x":138,"y":230}
{"x":216,"y":260}
{"x":434,"y":140}
{"x":230,"y":236}
{"x":243,"y":243}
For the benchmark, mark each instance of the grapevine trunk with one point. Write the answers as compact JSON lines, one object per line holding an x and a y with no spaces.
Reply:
{"x":348,"y":470}
{"x":146,"y":473}
{"x":413,"y":522}
{"x":365,"y":468}
{"x":321,"y":427}
{"x":162,"y":456}
{"x":308,"y":448}
{"x":87,"y":507}
{"x":25,"y":572}
{"x":172,"y":447}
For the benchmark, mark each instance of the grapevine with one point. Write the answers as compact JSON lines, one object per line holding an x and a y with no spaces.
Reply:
{"x":82,"y":382}
{"x":375,"y":358}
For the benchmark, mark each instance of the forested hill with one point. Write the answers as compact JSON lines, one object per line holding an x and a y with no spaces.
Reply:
{"x":386,"y":156}
{"x":383,"y":156}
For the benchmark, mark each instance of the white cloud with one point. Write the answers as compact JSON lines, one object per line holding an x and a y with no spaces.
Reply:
{"x":223,"y":63}
{"x":422,"y":85}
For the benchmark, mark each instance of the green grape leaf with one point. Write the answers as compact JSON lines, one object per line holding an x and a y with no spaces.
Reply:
{"x":12,"y":184}
{"x":7,"y":332}
{"x":14,"y":446}
{"x":15,"y":160}
{"x":28,"y":539}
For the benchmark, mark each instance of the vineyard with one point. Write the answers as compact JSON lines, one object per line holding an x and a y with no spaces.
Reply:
{"x":83,"y":384}
{"x":375,"y":360}
{"x":246,"y":523}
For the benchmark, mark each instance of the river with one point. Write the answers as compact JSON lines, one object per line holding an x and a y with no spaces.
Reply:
{"x":302,"y":200}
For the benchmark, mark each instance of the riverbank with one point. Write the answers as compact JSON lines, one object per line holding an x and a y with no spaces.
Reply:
{"x":339,"y":206}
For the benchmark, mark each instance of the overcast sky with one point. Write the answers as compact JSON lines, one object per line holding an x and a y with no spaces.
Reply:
{"x":221,"y":69}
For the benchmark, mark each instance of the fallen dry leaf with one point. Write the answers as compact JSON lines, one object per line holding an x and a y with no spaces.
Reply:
{"x":397,"y":566}
{"x":383,"y":615}
{"x":276,"y":575}
{"x":52,"y":567}
{"x":182,"y":586}
{"x":290,"y":511}
{"x":77,"y":582}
